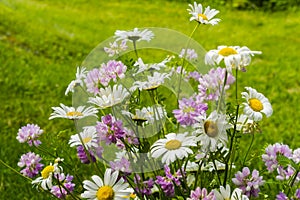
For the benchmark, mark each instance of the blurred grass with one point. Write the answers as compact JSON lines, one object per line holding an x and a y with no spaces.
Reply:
{"x":42,"y":42}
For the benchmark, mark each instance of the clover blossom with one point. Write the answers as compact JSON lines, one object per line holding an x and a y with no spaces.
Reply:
{"x":31,"y":162}
{"x":189,"y":110}
{"x":270,"y":157}
{"x":115,"y":48}
{"x":189,"y":54}
{"x":81,"y":154}
{"x":210,"y":84}
{"x":248,"y":183}
{"x":201,"y":194}
{"x":166,"y":185}
{"x":64,"y":187}
{"x":29,"y":134}
{"x":144,"y":188}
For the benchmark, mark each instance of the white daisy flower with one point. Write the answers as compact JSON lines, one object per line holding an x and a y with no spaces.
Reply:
{"x":205,"y":17}
{"x":153,"y":82}
{"x":256,"y":104}
{"x":72,"y":113}
{"x":115,"y":48}
{"x":173,"y":147}
{"x":212,"y":131}
{"x":109,"y":189}
{"x":153,"y":66}
{"x":225,"y":194}
{"x":80,"y":75}
{"x":47,"y":175}
{"x":89,"y":137}
{"x":108,"y":97}
{"x":244,"y":124}
{"x":233,"y":56}
{"x":134,"y":35}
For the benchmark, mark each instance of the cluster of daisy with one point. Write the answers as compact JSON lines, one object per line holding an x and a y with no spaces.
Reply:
{"x":148,"y":144}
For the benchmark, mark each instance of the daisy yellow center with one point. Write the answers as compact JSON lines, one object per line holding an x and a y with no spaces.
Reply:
{"x":211,"y":128}
{"x":255,"y":104}
{"x":202,"y":16}
{"x":227,"y":51}
{"x":86,"y":140}
{"x":74,"y":114}
{"x":105,"y":193}
{"x":173,"y":144}
{"x":46,"y":171}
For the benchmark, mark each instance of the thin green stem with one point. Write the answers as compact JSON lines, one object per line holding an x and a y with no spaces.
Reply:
{"x":9,"y":167}
{"x":250,"y":146}
{"x":183,"y":59}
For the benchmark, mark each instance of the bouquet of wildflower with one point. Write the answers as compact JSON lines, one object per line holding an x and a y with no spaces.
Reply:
{"x":166,"y":129}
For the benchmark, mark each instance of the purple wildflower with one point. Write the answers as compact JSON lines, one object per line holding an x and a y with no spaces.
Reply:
{"x":112,"y":70}
{"x":83,"y":157}
{"x":29,"y":134}
{"x":296,"y":156}
{"x":92,"y":81}
{"x":166,"y":185}
{"x":115,"y":48}
{"x":143,"y":188}
{"x":281,"y":196}
{"x":174,"y":177}
{"x":194,"y":75}
{"x":189,"y":110}
{"x":270,"y":158}
{"x":122,"y":165}
{"x":210,"y":84}
{"x":32,"y":164}
{"x":297,"y":193}
{"x":189,"y":54}
{"x":249,"y":184}
{"x":285,"y":173}
{"x":201,"y":194}
{"x":61,"y":191}
{"x":111,"y":130}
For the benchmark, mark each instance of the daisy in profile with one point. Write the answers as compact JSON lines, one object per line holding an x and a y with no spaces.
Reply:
{"x":256,"y":105}
{"x":141,"y":66}
{"x":47,"y":176}
{"x":225,"y":193}
{"x":173,"y":147}
{"x":206,"y":17}
{"x":73,"y":113}
{"x":108,"y":97}
{"x":109,"y":189}
{"x":211,"y":131}
{"x":235,"y":57}
{"x":80,"y":75}
{"x":88,"y":135}
{"x":135,"y":35}
{"x":152,"y":83}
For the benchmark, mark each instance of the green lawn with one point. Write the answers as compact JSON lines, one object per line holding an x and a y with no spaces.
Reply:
{"x":42,"y":43}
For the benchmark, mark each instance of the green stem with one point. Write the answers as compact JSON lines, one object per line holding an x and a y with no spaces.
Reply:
{"x":9,"y":167}
{"x":135,"y":50}
{"x":221,"y":99}
{"x":183,"y":59}
{"x":250,"y":146}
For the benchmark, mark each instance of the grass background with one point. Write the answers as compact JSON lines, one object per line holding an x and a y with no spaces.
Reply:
{"x":42,"y":42}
